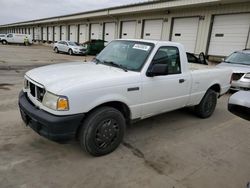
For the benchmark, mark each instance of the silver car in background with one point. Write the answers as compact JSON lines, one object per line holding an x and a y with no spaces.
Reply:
{"x":239,"y":62}
{"x":69,"y":47}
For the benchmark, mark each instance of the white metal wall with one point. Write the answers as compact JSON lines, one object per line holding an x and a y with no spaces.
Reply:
{"x":96,"y":31}
{"x":50,"y":33}
{"x":45,"y":33}
{"x":57,"y":33}
{"x":73,"y":32}
{"x":83,"y":33}
{"x":63,"y":32}
{"x":109,"y":31}
{"x":185,"y":31}
{"x":152,"y":29}
{"x":229,"y":33}
{"x":128,"y":30}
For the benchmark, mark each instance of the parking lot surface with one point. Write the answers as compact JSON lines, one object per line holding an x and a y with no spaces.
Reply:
{"x":172,"y":150}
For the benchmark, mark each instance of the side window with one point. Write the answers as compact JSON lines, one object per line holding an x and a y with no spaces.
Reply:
{"x":168,"y":55}
{"x":9,"y":35}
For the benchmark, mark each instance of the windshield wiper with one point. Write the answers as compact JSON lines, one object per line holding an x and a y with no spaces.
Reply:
{"x":116,"y":65}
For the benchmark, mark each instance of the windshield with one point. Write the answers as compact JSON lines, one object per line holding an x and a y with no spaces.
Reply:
{"x":238,"y":58}
{"x":130,"y":55}
{"x":73,"y":44}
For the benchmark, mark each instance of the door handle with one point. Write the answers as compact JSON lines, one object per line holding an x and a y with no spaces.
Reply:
{"x":181,"y":80}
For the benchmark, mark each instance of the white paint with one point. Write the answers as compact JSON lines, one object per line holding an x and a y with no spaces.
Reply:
{"x":185,"y":31}
{"x":83,"y":33}
{"x":229,"y":33}
{"x":128,"y":30}
{"x":96,"y":31}
{"x":73,"y":33}
{"x":152,"y":29}
{"x":64,"y":32}
{"x":109,"y":31}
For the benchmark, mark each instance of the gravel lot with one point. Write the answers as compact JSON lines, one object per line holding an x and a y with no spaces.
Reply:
{"x":173,"y":150}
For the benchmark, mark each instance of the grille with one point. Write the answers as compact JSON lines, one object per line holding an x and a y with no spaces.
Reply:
{"x":237,"y":76}
{"x":36,"y":91}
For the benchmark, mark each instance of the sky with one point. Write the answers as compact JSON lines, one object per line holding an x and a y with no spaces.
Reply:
{"x":23,"y":10}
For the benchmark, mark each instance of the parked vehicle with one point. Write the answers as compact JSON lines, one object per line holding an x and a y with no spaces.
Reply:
{"x":239,"y":62}
{"x":12,"y":38}
{"x":69,"y":47}
{"x":128,"y":81}
{"x":2,"y":36}
{"x":239,"y":104}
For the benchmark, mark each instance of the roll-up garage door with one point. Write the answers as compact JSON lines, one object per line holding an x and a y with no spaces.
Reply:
{"x":36,"y":32}
{"x":63,"y":33}
{"x":32,"y":33}
{"x":57,"y":33}
{"x":50,"y":33}
{"x":73,"y":33}
{"x":229,"y":33}
{"x":83,"y":33}
{"x":109,"y":32}
{"x":128,"y":30}
{"x":152,"y":29}
{"x":45,"y":33}
{"x":96,"y":31}
{"x":185,"y":31}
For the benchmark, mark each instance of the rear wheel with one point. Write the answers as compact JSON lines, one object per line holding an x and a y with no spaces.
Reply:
{"x":4,"y":42}
{"x":207,"y":105}
{"x":70,"y":52}
{"x":102,"y":131}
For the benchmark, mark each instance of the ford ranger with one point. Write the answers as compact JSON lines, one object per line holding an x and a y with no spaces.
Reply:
{"x":128,"y":81}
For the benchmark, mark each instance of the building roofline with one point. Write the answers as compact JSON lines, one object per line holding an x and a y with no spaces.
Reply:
{"x":91,"y":11}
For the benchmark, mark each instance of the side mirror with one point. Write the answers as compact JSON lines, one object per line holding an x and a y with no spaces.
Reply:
{"x":239,"y":104}
{"x":157,"y":70}
{"x":202,"y":58}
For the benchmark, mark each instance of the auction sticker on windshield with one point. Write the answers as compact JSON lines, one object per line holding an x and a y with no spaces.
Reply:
{"x":141,"y":47}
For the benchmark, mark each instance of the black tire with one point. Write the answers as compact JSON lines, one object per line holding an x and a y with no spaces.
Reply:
{"x":4,"y":42}
{"x":70,"y":52}
{"x":56,"y":50}
{"x":207,"y":105}
{"x":102,"y":131}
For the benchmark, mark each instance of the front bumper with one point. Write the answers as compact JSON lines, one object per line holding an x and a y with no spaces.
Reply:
{"x":240,"y":85}
{"x":79,"y":52}
{"x":56,"y":128}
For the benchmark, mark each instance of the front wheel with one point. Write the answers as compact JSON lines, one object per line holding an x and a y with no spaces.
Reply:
{"x":207,"y":105}
{"x":56,"y":50}
{"x":70,"y":52}
{"x":102,"y":131}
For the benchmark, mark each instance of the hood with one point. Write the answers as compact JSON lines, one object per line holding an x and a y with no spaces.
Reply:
{"x":236,"y":68}
{"x":78,"y":47}
{"x":58,"y":77}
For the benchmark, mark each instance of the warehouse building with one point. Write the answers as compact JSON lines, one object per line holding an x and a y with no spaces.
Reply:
{"x":216,"y":27}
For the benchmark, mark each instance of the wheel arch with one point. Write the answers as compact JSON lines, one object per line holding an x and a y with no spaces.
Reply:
{"x":118,"y":105}
{"x":216,"y":88}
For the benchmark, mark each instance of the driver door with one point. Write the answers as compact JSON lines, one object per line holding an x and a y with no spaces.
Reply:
{"x":165,"y":92}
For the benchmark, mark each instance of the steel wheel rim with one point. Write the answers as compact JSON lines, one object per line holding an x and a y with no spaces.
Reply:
{"x":106,"y":133}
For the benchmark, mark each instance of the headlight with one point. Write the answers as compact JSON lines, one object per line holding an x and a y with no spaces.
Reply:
{"x":75,"y":48}
{"x":247,"y":75}
{"x":55,"y":102}
{"x":25,"y":83}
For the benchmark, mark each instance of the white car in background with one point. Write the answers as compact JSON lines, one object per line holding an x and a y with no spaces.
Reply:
{"x":239,"y":62}
{"x":69,"y":47}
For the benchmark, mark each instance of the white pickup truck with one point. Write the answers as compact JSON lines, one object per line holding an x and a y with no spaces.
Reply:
{"x":128,"y":81}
